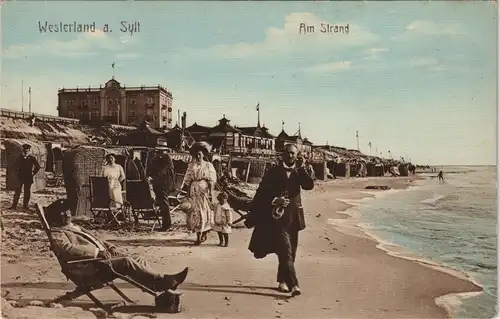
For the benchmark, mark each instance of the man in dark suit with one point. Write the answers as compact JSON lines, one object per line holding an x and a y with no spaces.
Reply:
{"x":163,"y":183}
{"x":72,"y":242}
{"x":278,"y":216}
{"x":26,"y":168}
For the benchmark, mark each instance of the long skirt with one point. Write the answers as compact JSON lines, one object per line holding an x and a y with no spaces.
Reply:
{"x":116,"y":196}
{"x":201,"y":215}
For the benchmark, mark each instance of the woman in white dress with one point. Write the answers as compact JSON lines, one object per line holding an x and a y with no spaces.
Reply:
{"x":200,"y":182}
{"x":115,"y":175}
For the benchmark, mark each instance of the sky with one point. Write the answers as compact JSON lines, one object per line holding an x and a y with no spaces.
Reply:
{"x":417,"y":79}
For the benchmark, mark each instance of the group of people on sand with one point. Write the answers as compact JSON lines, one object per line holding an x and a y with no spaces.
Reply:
{"x":276,"y":216}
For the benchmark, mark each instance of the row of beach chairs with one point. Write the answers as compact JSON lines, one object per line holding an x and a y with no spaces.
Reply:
{"x":139,"y":204}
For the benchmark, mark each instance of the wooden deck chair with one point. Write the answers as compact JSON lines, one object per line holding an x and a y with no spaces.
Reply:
{"x":88,"y":274}
{"x":101,"y":203}
{"x":176,"y":198}
{"x":142,"y":203}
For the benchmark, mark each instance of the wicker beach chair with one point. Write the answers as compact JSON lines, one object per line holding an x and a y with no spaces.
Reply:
{"x":142,"y":203}
{"x":88,"y":274}
{"x":101,"y":206}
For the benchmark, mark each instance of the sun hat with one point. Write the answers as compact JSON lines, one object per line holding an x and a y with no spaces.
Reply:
{"x":200,"y":146}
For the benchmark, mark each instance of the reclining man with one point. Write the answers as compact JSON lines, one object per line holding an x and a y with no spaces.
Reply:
{"x":72,"y":242}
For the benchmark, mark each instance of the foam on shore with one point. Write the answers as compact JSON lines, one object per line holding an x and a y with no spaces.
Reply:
{"x":353,"y":226}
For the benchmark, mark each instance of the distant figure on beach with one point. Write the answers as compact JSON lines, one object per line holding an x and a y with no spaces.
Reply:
{"x":115,"y":175}
{"x":26,"y":167}
{"x":278,"y":216}
{"x":200,"y":182}
{"x":440,"y":177}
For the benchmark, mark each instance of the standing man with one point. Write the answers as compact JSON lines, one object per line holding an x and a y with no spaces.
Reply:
{"x":26,"y":167}
{"x":163,"y":183}
{"x":278,"y":216}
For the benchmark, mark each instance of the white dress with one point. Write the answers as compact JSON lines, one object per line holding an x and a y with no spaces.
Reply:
{"x":115,"y":174}
{"x":222,"y":218}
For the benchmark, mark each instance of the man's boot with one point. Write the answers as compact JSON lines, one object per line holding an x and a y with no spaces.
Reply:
{"x":173,"y":281}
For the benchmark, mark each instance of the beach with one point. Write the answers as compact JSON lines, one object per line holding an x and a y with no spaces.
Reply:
{"x":342,"y":272}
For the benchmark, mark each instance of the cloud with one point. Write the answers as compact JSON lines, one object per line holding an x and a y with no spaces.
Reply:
{"x":422,"y":28}
{"x":127,"y":56}
{"x":287,"y":40}
{"x":85,"y":44}
{"x":424,"y":61}
{"x":330,"y":67}
{"x":374,"y":51}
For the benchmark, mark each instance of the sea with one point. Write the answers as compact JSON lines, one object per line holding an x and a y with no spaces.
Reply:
{"x":453,"y":224}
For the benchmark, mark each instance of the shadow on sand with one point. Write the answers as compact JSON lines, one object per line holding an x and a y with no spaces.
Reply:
{"x":228,"y":289}
{"x":153,"y":242}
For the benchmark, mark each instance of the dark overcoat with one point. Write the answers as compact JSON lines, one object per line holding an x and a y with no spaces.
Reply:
{"x":274,"y":184}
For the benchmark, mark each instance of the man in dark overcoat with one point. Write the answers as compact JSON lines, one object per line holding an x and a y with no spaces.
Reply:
{"x":278,"y":216}
{"x":26,"y":168}
{"x":163,"y":183}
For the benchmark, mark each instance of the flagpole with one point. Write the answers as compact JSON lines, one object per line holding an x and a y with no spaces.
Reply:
{"x":29,"y":103}
{"x":258,"y":114}
{"x":357,"y":138}
{"x":22,"y":95}
{"x":113,"y":66}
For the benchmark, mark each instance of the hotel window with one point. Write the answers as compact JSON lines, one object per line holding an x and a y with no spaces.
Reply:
{"x":71,"y":102}
{"x":117,"y":101}
{"x":149,"y":100}
{"x":131,"y":112}
{"x":149,"y":112}
{"x":94,"y":101}
{"x":132,"y":100}
{"x":71,"y":114}
{"x":113,"y":112}
{"x":95,"y":113}
{"x":110,"y":102}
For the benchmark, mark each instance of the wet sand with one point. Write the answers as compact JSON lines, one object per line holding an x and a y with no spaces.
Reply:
{"x":341,"y":275}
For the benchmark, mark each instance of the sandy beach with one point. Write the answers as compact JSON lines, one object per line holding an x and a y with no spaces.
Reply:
{"x":341,"y":271}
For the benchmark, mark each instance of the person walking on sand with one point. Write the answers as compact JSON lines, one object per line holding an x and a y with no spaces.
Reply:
{"x":26,"y":167}
{"x":223,"y":219}
{"x":440,"y":177}
{"x":200,"y":182}
{"x":278,"y":216}
{"x":115,"y":175}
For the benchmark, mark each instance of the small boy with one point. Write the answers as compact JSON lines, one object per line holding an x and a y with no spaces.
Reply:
{"x":223,"y":219}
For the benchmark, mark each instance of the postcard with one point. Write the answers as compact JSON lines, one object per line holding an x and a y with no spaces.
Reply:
{"x":281,"y":159}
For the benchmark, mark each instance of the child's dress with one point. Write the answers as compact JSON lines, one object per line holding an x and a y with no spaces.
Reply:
{"x":222,"y":218}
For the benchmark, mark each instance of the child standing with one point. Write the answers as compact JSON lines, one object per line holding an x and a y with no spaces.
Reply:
{"x":223,"y":219}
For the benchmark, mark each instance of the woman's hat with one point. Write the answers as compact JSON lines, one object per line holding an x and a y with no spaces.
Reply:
{"x":200,"y":146}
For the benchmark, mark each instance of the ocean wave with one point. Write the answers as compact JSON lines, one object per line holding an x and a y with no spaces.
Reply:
{"x":445,"y":225}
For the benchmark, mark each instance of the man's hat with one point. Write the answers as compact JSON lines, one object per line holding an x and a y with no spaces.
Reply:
{"x":54,"y":210}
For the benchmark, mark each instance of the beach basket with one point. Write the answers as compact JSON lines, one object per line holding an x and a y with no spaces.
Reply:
{"x":79,"y":164}
{"x":13,"y":149}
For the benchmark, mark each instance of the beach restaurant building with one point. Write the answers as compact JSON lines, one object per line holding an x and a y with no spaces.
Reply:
{"x":228,"y":139}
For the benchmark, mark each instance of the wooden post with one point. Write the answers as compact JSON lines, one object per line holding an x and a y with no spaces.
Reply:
{"x":248,"y":171}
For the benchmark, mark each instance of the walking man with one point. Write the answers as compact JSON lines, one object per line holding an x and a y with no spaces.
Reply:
{"x":440,"y":177}
{"x":163,"y":183}
{"x":278,"y":216}
{"x":26,"y":167}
